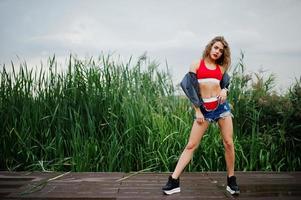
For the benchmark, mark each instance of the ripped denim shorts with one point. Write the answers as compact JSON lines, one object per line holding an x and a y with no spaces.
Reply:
{"x":222,"y":111}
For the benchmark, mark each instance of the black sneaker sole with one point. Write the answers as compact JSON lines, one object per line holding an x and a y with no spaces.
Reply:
{"x":233,"y":192}
{"x":175,"y":190}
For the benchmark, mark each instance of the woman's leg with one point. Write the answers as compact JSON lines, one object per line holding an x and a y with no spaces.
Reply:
{"x":196,"y":134}
{"x":226,"y":127}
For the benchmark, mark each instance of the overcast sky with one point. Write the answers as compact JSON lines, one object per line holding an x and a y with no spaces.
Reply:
{"x":268,"y":32}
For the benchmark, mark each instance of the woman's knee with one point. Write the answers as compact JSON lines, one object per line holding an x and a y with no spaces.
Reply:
{"x":228,"y":144}
{"x":191,"y":146}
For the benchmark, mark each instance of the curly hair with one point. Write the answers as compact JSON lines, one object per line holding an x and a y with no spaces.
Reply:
{"x":225,"y":59}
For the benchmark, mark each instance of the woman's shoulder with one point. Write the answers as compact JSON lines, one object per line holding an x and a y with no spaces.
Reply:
{"x":222,"y":68}
{"x":194,"y":66}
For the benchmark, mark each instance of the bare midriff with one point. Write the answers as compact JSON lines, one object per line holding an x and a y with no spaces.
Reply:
{"x":209,"y":90}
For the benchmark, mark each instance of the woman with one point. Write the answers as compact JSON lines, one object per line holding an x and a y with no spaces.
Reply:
{"x":206,"y":87}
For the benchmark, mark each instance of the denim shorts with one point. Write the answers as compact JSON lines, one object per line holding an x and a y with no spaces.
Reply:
{"x":222,"y":111}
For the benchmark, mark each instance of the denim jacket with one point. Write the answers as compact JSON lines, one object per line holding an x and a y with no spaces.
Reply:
{"x":190,"y":86}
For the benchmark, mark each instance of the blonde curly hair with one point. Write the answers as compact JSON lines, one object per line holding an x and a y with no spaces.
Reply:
{"x":225,"y":59}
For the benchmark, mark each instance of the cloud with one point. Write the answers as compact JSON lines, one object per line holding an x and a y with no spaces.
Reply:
{"x":173,"y":30}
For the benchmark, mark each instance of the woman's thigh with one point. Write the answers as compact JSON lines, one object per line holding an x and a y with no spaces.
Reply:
{"x":197,"y":131}
{"x":226,"y":127}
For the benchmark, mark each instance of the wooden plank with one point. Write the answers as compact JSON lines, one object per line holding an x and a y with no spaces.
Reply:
{"x":142,"y":186}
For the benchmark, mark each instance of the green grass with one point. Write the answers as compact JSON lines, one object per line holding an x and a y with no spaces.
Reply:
{"x":101,"y":115}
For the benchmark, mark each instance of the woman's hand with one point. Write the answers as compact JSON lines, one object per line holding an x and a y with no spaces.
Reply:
{"x":199,"y":117}
{"x":222,"y":96}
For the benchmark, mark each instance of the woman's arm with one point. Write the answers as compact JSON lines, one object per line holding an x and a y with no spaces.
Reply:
{"x":224,"y":86}
{"x":194,"y":66}
{"x":223,"y":95}
{"x":198,"y":114}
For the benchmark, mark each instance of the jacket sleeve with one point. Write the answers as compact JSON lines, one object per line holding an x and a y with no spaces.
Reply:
{"x":189,"y":85}
{"x":225,"y":82}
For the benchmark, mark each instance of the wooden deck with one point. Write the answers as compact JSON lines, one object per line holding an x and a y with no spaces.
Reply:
{"x":134,"y":186}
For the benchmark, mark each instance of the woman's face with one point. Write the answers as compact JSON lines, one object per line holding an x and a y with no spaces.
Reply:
{"x":217,"y":50}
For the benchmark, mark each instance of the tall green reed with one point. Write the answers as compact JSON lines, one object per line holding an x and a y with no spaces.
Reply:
{"x":105,"y":115}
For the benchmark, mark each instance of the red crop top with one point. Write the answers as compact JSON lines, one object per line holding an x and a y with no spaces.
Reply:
{"x":204,"y":73}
